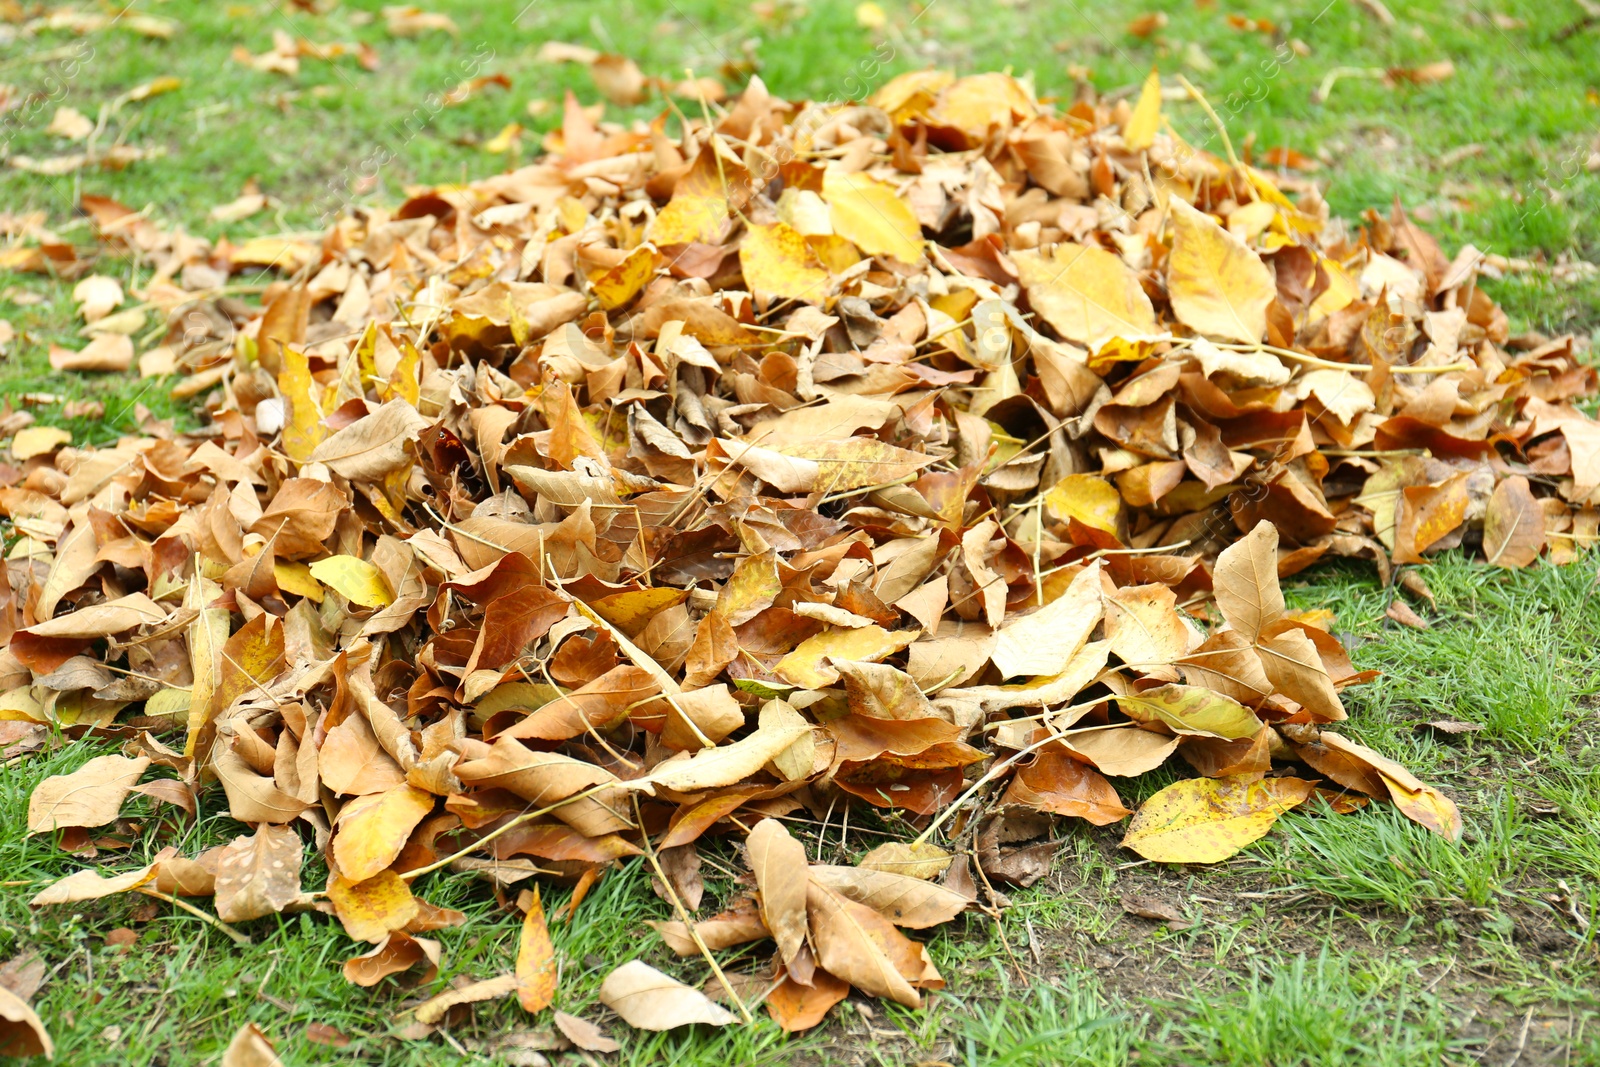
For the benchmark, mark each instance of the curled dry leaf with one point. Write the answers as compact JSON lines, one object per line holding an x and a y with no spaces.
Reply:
{"x":649,"y":1000}
{"x":22,"y":1032}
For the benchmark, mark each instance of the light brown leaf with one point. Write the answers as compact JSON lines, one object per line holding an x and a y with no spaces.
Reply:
{"x":258,"y":874}
{"x":92,"y":795}
{"x":1246,"y":580}
{"x":779,"y":864}
{"x":648,"y":1000}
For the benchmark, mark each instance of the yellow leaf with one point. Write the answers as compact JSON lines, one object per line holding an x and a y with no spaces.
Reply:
{"x":501,"y":142}
{"x":778,"y":264}
{"x":1218,"y":286}
{"x":295,"y":577}
{"x":1140,"y":132}
{"x":632,"y":611}
{"x":1088,"y":499}
{"x":698,"y":210}
{"x":871,"y":16}
{"x":370,"y":909}
{"x":804,"y":666}
{"x":871,"y":215}
{"x":1193,"y":710}
{"x":621,"y":283}
{"x":1204,"y":820}
{"x":359,"y":581}
{"x":974,"y":104}
{"x":373,"y":829}
{"x":303,"y":431}
{"x":1087,"y":294}
{"x":38,"y":441}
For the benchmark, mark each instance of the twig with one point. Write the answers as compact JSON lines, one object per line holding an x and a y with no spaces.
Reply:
{"x":1227,"y":142}
{"x":684,"y":917}
{"x":205,"y":917}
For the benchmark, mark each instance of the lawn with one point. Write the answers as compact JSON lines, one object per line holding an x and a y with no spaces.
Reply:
{"x":1356,"y":940}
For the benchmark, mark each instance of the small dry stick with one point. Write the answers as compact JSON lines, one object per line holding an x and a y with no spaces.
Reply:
{"x":683,"y":916}
{"x":205,"y":917}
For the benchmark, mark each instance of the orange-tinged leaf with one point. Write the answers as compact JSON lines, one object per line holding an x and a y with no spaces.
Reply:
{"x":797,"y":1007}
{"x":1206,"y":820}
{"x":536,"y":960}
{"x":1061,"y":785}
{"x":372,"y":829}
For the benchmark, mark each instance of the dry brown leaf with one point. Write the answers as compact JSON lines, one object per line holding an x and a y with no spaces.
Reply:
{"x":649,"y":1000}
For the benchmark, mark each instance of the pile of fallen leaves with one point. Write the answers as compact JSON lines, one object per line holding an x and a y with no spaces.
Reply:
{"x":939,"y":455}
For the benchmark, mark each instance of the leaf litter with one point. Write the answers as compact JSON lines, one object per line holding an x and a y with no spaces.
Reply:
{"x":940,"y":455}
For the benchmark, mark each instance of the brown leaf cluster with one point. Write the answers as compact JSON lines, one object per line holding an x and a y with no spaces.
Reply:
{"x":940,"y":454}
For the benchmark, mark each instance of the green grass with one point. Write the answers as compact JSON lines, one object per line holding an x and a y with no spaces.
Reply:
{"x":1251,"y":981}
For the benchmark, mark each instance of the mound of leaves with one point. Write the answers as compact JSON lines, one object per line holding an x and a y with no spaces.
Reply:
{"x":939,"y":455}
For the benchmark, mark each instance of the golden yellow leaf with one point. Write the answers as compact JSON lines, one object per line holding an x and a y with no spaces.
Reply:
{"x":1205,"y":820}
{"x":374,"y":907}
{"x":698,"y":210}
{"x":303,"y":431}
{"x":1140,"y":132}
{"x":871,"y":215}
{"x":1189,"y":709}
{"x":1218,"y":286}
{"x":1088,"y":499}
{"x":373,"y":829}
{"x":359,"y":581}
{"x":1087,"y":294}
{"x":38,"y":441}
{"x":621,"y":283}
{"x":804,"y":666}
{"x":295,"y":577}
{"x":778,"y":264}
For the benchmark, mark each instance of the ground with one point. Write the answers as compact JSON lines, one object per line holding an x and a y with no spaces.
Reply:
{"x":1354,"y":939}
